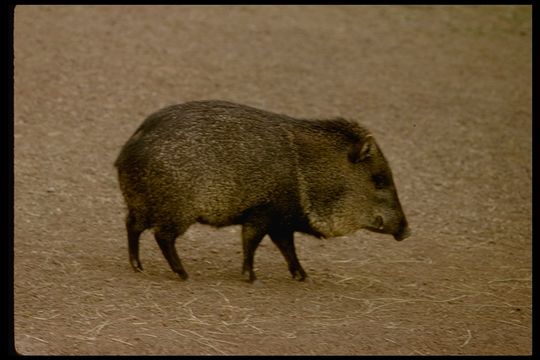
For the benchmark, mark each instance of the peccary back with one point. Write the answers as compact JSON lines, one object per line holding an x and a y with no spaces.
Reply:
{"x":220,"y":163}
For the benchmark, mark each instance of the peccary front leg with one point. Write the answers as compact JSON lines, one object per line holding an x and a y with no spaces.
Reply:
{"x":251,"y":238}
{"x":284,"y":240}
{"x":166,"y":238}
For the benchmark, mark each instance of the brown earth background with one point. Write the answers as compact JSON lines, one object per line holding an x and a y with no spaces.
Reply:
{"x":445,"y":89}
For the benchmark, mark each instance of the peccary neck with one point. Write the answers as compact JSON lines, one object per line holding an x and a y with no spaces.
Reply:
{"x":321,"y":148}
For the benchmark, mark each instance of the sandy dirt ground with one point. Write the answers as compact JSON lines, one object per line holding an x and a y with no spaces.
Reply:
{"x":447,"y":93}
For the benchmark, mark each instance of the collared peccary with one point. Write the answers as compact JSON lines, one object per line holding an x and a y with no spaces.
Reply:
{"x":220,"y":163}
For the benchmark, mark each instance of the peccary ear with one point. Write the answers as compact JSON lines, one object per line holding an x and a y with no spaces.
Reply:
{"x":361,"y":150}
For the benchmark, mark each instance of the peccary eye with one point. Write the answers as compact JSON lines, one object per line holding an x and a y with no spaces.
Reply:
{"x":380,"y":181}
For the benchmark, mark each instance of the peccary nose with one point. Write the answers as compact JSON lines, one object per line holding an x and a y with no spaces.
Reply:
{"x":404,"y":231}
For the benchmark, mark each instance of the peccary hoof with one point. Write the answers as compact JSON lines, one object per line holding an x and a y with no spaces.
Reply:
{"x":136,"y":265}
{"x":183,"y":275}
{"x":252,"y":279}
{"x":299,"y":274}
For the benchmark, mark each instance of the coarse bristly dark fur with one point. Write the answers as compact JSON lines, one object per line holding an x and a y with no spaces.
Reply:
{"x":221,"y":163}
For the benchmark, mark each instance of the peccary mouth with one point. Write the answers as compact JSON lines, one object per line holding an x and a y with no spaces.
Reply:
{"x":402,"y":234}
{"x":378,"y":227}
{"x":379,"y":223}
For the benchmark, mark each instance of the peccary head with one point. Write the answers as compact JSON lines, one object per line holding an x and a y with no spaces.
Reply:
{"x":346,"y":183}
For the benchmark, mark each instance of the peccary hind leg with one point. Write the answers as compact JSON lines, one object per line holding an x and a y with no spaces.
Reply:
{"x":284,"y":240}
{"x":166,"y":237}
{"x":251,"y":238}
{"x":134,"y":230}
